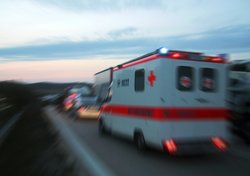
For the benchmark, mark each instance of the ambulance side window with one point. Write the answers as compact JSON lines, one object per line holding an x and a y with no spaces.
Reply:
{"x":185,"y":78}
{"x":139,"y":80}
{"x":208,"y":80}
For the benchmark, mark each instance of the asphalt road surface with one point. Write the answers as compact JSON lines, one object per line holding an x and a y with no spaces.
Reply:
{"x":6,"y":112}
{"x":121,"y":156}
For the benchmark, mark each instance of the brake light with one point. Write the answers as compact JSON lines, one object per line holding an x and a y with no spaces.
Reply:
{"x":170,"y":146}
{"x":81,"y":110}
{"x":219,"y":143}
{"x":68,"y":105}
{"x":73,"y":95}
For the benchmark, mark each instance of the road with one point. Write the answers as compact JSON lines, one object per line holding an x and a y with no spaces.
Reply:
{"x":6,"y":111}
{"x":122,"y":158}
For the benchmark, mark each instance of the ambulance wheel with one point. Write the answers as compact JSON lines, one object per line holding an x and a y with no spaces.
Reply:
{"x":101,"y":128}
{"x":140,"y":141}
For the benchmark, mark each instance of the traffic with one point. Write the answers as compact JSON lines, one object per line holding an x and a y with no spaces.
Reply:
{"x":165,"y":111}
{"x":173,"y":101}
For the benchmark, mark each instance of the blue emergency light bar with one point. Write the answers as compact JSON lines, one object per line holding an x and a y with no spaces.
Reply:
{"x":179,"y":55}
{"x":163,"y":51}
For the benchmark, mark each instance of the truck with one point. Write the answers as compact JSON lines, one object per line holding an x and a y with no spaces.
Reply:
{"x":103,"y":80}
{"x":239,"y":98}
{"x":170,"y":100}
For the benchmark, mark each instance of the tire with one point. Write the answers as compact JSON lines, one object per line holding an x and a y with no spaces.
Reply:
{"x":247,"y":132}
{"x":101,"y":128}
{"x":140,"y":141}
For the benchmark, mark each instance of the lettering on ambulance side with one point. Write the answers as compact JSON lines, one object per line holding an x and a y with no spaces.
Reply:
{"x":123,"y":82}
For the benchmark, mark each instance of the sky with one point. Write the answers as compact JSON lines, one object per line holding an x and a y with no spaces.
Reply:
{"x":70,"y":40}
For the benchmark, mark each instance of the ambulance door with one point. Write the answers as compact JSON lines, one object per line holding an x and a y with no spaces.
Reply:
{"x":184,"y":84}
{"x":211,"y":96}
{"x":185,"y":92}
{"x":210,"y":85}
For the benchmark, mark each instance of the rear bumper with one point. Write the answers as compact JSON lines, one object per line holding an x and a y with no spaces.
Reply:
{"x":196,"y":146}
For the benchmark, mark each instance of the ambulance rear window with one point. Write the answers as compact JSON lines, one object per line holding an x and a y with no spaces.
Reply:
{"x":185,"y":78}
{"x":139,"y":80}
{"x":208,"y":79}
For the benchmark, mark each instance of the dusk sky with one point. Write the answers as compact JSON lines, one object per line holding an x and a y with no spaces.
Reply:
{"x":70,"y":40}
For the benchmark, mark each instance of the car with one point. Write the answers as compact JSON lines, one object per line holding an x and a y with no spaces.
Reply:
{"x":85,"y":107}
{"x":73,"y":95}
{"x":89,"y":112}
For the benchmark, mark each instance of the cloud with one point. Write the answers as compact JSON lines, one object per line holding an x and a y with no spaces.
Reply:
{"x":228,"y":39}
{"x":55,"y":21}
{"x":231,"y":39}
{"x":126,"y":32}
{"x":106,"y":5}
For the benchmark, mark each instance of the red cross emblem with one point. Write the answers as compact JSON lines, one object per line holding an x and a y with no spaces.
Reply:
{"x":185,"y":81}
{"x":151,"y":78}
{"x":208,"y":83}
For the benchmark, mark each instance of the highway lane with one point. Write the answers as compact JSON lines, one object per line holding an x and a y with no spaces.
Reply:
{"x":122,"y":157}
{"x":4,"y":104}
{"x":6,"y":112}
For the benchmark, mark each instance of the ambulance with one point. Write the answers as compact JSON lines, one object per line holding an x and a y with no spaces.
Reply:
{"x":170,"y":100}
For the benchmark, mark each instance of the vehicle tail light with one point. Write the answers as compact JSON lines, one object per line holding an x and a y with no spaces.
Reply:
{"x":170,"y":146}
{"x":219,"y":143}
{"x":81,"y":110}
{"x":73,"y":95}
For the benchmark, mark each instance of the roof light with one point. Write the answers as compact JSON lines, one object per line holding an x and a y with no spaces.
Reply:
{"x":178,"y":55}
{"x":163,"y":50}
{"x":216,"y":59}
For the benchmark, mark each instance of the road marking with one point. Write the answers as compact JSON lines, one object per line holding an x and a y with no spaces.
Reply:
{"x":82,"y":152}
{"x":2,"y":99}
{"x":9,"y":125}
{"x":4,"y":108}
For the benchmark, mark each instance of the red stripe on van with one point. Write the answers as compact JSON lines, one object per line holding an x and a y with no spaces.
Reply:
{"x":170,"y":113}
{"x":140,"y":61}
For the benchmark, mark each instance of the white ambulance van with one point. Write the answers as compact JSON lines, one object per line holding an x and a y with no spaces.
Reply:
{"x":170,"y":100}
